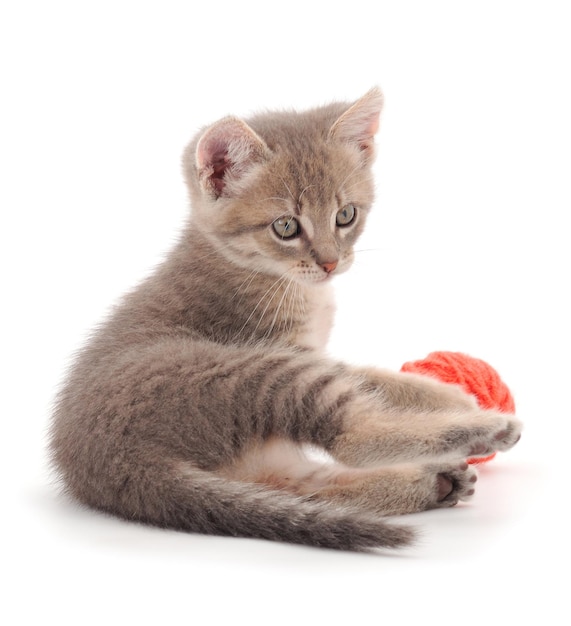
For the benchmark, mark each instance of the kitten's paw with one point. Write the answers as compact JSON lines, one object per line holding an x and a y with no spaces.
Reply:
{"x":400,"y":489}
{"x":453,"y":483}
{"x":482,"y":435}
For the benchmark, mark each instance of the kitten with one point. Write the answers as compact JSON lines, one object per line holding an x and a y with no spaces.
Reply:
{"x":190,"y":406}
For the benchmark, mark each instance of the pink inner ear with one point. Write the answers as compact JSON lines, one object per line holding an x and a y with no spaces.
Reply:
{"x":211,"y":150}
{"x":363,"y":129}
{"x":374,"y":123}
{"x":228,"y":146}
{"x":217,"y":177}
{"x":212,"y":160}
{"x":368,"y":133}
{"x":213,"y":157}
{"x":360,"y":122}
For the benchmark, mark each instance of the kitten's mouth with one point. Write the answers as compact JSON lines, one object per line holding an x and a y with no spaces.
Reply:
{"x":317,"y":277}
{"x":318,"y":274}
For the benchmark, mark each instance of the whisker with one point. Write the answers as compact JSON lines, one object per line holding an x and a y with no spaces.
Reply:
{"x":361,"y":258}
{"x":357,"y":183}
{"x":358,"y":166}
{"x":270,"y":292}
{"x":279,"y":217}
{"x":369,"y":250}
{"x":295,"y":299}
{"x":286,"y":186}
{"x":275,"y":288}
{"x":249,"y":279}
{"x":217,"y":248}
{"x":301,"y":194}
{"x":275,"y":198}
{"x":274,"y":319}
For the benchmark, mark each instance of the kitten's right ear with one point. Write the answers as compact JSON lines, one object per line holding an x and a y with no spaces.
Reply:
{"x":225,"y":152}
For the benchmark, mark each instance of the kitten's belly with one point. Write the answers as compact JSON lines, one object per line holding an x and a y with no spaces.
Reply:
{"x":320,"y":310}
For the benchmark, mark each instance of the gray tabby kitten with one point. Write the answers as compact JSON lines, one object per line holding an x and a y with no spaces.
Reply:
{"x":191,"y":406}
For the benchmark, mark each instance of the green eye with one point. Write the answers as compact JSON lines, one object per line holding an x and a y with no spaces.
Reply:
{"x":346,"y":215}
{"x":286,"y":227}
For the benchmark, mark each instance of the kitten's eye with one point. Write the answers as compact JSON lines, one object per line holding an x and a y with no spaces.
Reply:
{"x":346,"y":215}
{"x":286,"y":227}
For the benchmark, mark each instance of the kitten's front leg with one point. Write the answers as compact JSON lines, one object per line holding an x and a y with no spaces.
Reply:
{"x":403,"y":417}
{"x":400,"y":489}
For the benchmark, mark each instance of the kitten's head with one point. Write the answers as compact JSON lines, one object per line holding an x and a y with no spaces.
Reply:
{"x":286,"y":193}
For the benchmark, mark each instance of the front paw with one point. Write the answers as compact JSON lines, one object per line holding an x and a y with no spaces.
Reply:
{"x":482,"y":435}
{"x":424,"y":487}
{"x":401,"y":489}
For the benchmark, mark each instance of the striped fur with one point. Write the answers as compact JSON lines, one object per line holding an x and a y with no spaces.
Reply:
{"x":191,"y":406}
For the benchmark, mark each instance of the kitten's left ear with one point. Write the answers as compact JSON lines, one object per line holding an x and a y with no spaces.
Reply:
{"x":225,"y":153}
{"x":360,"y":122}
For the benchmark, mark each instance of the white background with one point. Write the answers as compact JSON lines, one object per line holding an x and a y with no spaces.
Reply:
{"x":468,"y":250}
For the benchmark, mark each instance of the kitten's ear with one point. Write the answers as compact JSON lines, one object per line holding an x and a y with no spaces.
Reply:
{"x":360,"y":122}
{"x":225,"y":152}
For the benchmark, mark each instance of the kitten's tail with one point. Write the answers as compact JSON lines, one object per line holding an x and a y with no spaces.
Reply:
{"x":199,"y":501}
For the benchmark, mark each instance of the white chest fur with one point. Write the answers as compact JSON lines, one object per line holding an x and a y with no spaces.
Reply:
{"x":319,"y":309}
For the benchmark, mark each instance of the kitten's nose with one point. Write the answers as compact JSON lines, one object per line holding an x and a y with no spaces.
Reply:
{"x":329,"y":266}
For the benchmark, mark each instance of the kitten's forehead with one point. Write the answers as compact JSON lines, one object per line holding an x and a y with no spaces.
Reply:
{"x":305,"y":162}
{"x":307,"y":175}
{"x":292,"y":129}
{"x":317,"y":178}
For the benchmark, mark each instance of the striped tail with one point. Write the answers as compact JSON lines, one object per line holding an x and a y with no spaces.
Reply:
{"x":202,"y":502}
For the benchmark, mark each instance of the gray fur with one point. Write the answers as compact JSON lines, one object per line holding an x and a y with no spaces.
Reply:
{"x":188,"y":407}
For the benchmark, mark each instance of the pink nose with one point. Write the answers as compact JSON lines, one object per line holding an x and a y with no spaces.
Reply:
{"x":329,"y":267}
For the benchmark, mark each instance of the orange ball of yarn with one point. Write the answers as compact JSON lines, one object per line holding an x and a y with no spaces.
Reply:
{"x":475,"y":376}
